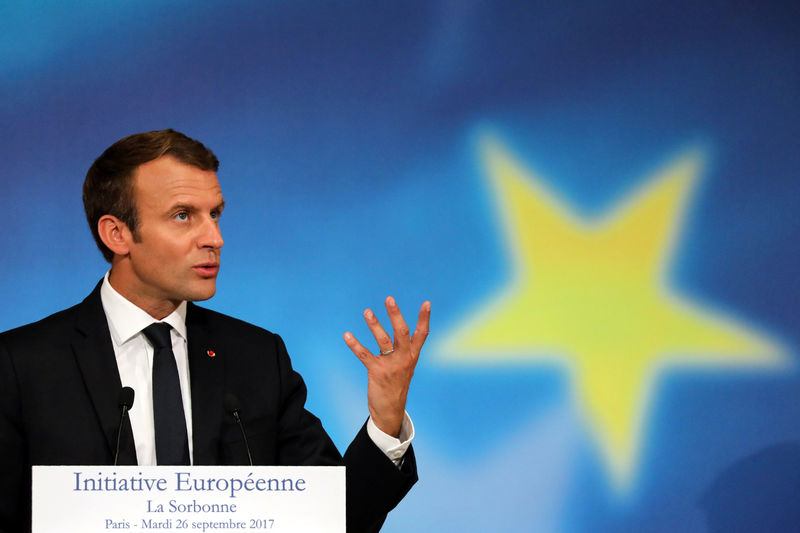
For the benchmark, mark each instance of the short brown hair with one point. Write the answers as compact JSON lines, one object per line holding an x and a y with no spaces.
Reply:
{"x":108,"y":187}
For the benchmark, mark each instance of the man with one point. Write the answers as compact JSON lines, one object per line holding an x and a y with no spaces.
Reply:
{"x":153,"y":203}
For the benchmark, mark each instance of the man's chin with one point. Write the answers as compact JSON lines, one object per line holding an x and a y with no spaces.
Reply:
{"x":203,"y":293}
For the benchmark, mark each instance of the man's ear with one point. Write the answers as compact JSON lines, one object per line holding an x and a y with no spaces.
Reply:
{"x":115,"y":234}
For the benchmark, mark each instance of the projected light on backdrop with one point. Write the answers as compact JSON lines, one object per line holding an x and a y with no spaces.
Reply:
{"x":594,"y":295}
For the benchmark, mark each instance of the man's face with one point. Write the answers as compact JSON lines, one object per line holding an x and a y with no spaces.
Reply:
{"x":176,"y":254}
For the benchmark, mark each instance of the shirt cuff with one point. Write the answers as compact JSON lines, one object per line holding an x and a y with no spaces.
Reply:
{"x":393,"y":448}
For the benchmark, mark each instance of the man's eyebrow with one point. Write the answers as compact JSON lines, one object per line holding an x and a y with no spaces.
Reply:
{"x":182,"y":207}
{"x":192,"y":208}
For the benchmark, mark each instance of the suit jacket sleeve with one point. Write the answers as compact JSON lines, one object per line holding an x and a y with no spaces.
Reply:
{"x":14,"y":464}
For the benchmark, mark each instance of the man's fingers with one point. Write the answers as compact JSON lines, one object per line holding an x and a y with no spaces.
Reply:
{"x":362,"y":353}
{"x":401,"y":331}
{"x":381,"y":337}
{"x":423,"y":327}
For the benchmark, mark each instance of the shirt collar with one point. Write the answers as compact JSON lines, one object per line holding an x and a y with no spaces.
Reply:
{"x":126,"y":320}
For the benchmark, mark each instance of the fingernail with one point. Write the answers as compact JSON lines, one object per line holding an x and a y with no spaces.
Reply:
{"x":391,"y":301}
{"x":369,"y":314}
{"x":347,"y":336}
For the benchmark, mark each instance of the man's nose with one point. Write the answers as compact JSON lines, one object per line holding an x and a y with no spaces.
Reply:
{"x":211,"y":236}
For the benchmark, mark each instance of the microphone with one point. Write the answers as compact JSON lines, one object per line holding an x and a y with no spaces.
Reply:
{"x":231,"y":403}
{"x":125,"y":402}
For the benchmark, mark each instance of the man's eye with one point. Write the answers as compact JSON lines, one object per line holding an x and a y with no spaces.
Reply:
{"x":182,"y":216}
{"x":215,"y":215}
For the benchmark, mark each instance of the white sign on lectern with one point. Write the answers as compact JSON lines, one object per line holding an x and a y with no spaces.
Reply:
{"x":197,"y":499}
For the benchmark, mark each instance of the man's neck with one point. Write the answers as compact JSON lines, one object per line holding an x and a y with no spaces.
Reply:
{"x":156,"y":308}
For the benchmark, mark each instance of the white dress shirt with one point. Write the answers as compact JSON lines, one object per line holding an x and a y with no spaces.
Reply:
{"x":135,"y":363}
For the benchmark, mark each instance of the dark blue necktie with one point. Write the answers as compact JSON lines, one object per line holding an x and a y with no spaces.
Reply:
{"x":172,"y":443}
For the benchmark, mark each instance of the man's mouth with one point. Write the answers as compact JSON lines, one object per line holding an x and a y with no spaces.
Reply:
{"x":207,"y":270}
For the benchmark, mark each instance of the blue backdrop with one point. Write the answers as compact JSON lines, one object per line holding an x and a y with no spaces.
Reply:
{"x":599,"y":198}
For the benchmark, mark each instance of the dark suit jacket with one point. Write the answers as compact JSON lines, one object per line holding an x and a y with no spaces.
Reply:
{"x":59,"y":387}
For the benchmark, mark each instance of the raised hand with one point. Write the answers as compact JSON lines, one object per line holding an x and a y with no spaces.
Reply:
{"x":390,"y":371}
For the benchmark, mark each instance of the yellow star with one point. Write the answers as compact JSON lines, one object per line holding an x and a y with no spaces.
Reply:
{"x":595,"y":296}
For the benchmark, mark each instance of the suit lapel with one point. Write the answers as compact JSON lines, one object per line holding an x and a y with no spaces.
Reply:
{"x":206,"y":373}
{"x":91,"y":344}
